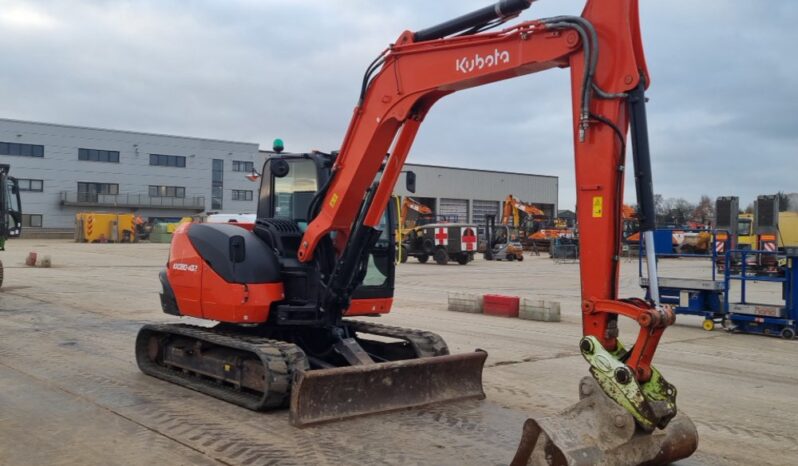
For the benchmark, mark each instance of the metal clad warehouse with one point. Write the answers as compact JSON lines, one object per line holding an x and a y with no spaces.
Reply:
{"x":64,"y":170}
{"x":469,"y":194}
{"x":67,"y":169}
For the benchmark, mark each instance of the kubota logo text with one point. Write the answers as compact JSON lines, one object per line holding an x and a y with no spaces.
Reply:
{"x":478,"y":62}
{"x":184,"y":267}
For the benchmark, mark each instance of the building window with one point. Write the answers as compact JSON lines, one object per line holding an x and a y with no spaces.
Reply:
{"x":97,"y":155}
{"x":90,"y":192}
{"x":242,"y":195}
{"x":167,"y":191}
{"x":217,"y":184}
{"x":32,"y":220}
{"x":24,"y":150}
{"x":168,"y":160}
{"x":30,"y":185}
{"x":241,"y":166}
{"x":98,"y":188}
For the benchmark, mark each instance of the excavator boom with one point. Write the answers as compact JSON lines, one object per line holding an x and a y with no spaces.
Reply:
{"x":282,"y":289}
{"x":603,"y":50}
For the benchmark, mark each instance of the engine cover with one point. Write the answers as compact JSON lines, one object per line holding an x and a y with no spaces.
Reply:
{"x":221,"y":272}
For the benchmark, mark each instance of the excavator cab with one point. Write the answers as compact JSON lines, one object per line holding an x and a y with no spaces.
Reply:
{"x":288,"y":187}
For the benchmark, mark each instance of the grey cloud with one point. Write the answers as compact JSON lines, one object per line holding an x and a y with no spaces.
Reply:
{"x":722,"y":115}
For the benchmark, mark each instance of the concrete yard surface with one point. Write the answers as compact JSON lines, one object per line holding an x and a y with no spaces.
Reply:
{"x":70,"y":391}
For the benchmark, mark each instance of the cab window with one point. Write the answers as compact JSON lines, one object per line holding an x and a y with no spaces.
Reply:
{"x":380,"y":259}
{"x":294,"y":192}
{"x":744,"y":227}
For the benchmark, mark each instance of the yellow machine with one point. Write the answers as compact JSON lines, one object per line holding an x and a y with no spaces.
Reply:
{"x":788,"y":229}
{"x":746,"y":238}
{"x":95,"y":227}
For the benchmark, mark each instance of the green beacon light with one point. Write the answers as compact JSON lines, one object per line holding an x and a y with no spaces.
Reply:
{"x":278,"y":145}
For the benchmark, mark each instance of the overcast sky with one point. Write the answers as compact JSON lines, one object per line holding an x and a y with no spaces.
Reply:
{"x":722,"y":114}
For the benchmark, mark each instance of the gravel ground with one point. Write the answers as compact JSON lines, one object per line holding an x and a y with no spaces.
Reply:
{"x":70,"y":392}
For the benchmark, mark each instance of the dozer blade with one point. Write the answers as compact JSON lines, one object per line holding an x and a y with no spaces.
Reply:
{"x":324,"y":395}
{"x":596,"y":430}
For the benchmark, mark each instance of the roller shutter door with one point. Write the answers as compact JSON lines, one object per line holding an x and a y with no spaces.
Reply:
{"x":454,"y":209}
{"x":482,"y":208}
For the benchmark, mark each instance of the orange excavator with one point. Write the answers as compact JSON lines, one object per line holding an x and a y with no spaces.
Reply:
{"x":411,"y":211}
{"x":631,"y":227}
{"x":531,"y":222}
{"x":320,"y":252}
{"x":515,"y":212}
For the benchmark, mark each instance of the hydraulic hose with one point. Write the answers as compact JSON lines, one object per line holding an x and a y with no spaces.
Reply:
{"x":500,"y":10}
{"x":643,"y":182}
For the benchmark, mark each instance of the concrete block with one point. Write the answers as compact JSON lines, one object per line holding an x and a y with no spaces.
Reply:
{"x":465,"y":302}
{"x":538,"y":309}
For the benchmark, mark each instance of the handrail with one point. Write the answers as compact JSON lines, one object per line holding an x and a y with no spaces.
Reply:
{"x":742,"y":276}
{"x":713,"y":253}
{"x":132,"y":199}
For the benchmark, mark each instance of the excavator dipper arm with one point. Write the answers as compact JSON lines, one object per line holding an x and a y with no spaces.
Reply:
{"x":604,"y":52}
{"x":414,"y":75}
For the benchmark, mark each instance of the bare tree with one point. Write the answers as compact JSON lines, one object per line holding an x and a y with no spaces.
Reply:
{"x":704,"y":212}
{"x":673,"y":211}
{"x":784,"y":201}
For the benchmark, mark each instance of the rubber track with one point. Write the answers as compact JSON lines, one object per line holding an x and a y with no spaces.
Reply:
{"x":426,"y":344}
{"x":280,"y":361}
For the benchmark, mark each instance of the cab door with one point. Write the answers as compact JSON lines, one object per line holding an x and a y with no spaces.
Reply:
{"x":375,"y":294}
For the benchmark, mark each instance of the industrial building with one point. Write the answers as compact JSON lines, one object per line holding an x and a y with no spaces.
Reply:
{"x":64,"y":170}
{"x":467,"y":195}
{"x":67,"y":169}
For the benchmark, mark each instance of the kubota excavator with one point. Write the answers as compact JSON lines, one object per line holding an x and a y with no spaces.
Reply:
{"x":320,"y":251}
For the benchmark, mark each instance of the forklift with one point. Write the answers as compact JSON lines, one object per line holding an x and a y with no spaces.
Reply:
{"x":499,"y":242}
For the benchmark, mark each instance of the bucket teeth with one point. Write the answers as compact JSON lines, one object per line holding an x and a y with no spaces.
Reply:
{"x":597,"y":431}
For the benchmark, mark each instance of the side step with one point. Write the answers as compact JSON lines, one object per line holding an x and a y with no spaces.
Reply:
{"x":326,"y":395}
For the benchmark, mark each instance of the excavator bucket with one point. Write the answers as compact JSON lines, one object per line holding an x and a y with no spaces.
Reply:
{"x":597,"y":431}
{"x":325,"y":395}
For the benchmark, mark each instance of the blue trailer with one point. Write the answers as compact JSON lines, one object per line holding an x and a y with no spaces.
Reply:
{"x":691,"y":296}
{"x":710,"y":298}
{"x":765,"y":319}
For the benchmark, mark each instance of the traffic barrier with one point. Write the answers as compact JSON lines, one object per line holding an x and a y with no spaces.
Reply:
{"x":538,"y":309}
{"x":465,"y":302}
{"x":498,"y":305}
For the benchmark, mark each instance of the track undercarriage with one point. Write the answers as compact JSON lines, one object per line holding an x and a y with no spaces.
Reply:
{"x":370,"y":368}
